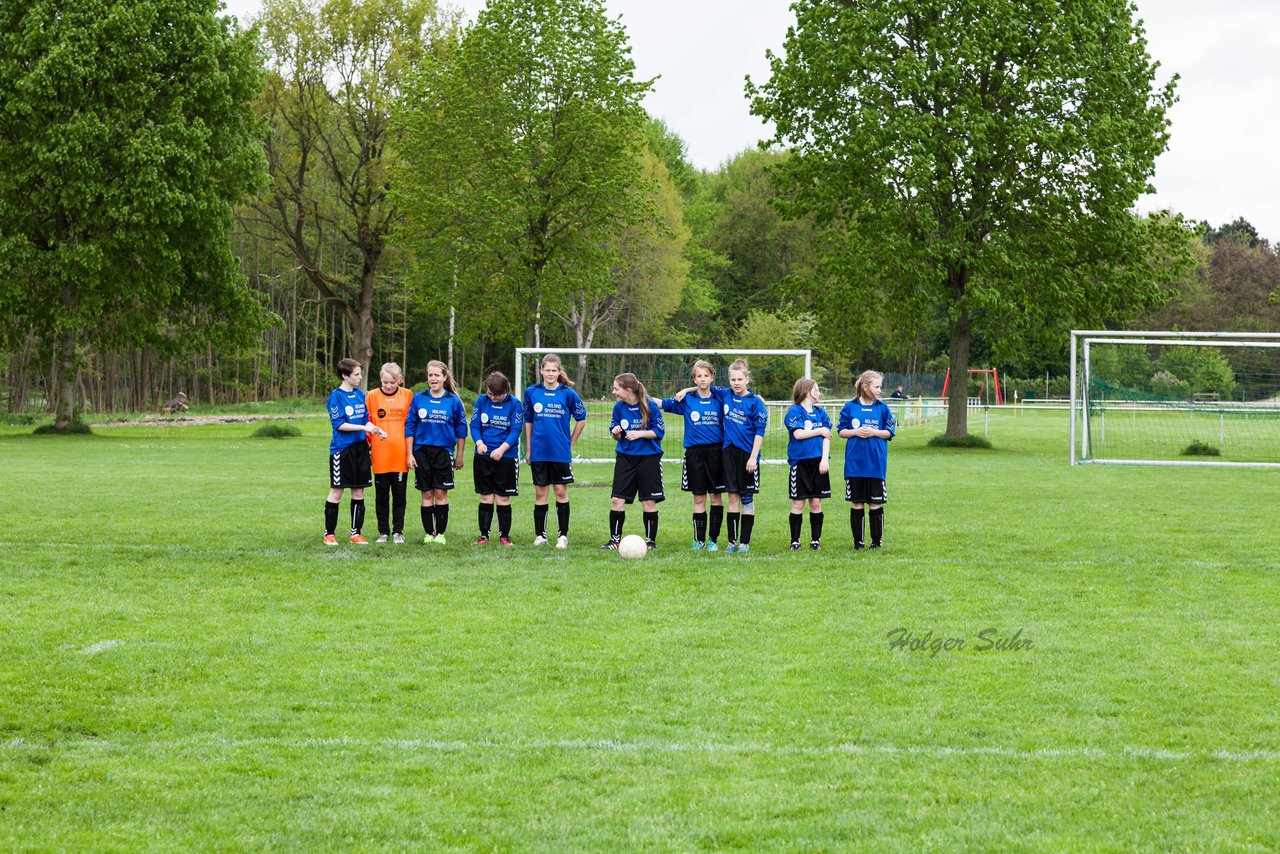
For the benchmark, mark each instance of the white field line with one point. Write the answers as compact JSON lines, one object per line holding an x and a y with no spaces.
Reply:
{"x":303,"y":551}
{"x":101,"y":646}
{"x":418,"y":745}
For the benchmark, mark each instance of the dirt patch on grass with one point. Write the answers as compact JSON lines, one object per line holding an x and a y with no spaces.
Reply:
{"x":194,"y":420}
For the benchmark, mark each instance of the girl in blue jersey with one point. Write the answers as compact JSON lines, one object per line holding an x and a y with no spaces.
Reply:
{"x":435,"y":433}
{"x":702,"y":472}
{"x":349,"y":462}
{"x":868,"y":425}
{"x":549,"y":407}
{"x":809,"y":455}
{"x":637,"y":426}
{"x":744,"y":418}
{"x":496,"y":423}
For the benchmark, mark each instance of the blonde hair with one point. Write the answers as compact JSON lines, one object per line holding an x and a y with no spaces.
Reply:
{"x":632,"y":384}
{"x":703,"y":365}
{"x":864,"y":383}
{"x":553,"y":359}
{"x":801,"y":389}
{"x":393,"y":369}
{"x":448,"y":377}
{"x":741,"y":365}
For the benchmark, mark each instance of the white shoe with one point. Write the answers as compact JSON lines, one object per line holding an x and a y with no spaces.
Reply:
{"x":383,"y":538}
{"x":539,"y":541}
{"x":562,"y":542}
{"x":397,"y":538}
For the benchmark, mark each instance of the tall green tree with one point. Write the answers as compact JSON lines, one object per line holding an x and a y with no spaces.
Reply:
{"x":521,"y":160}
{"x":334,"y":70}
{"x":978,"y":156}
{"x":126,"y":136}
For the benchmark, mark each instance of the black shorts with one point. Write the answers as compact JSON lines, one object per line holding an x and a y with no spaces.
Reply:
{"x":638,"y":474}
{"x":546,"y":473}
{"x":865,"y":490}
{"x":351,"y":467}
{"x":737,"y":479}
{"x":807,"y":482}
{"x":495,"y":477}
{"x":435,"y":468}
{"x":702,"y":471}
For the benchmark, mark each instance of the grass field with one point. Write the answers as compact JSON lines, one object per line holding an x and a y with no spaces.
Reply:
{"x":184,"y":666}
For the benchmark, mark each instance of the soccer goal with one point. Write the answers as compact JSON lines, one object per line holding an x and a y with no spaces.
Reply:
{"x":1175,"y":398}
{"x":664,"y":372}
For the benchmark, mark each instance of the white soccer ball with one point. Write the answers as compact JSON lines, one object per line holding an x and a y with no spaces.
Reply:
{"x":632,"y":547}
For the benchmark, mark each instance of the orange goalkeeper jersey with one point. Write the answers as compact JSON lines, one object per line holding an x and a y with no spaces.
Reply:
{"x":388,"y":412}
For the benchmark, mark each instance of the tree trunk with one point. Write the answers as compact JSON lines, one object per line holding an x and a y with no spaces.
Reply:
{"x":958,"y":393}
{"x":66,"y":411}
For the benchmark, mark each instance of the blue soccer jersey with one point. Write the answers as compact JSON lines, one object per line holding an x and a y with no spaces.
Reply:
{"x":628,"y":417}
{"x":438,"y":421}
{"x":495,"y":423}
{"x":799,"y":418}
{"x":701,"y":418}
{"x":744,"y":417}
{"x":548,"y":412}
{"x":346,"y":407}
{"x":867,"y":457}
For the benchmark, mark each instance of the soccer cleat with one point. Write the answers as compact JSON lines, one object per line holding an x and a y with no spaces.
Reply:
{"x":698,"y":546}
{"x":858,"y":545}
{"x":440,"y":540}
{"x":875,"y":545}
{"x":743,"y":548}
{"x":795,"y":547}
{"x":397,"y":538}
{"x":731,"y":548}
{"x":611,"y":546}
{"x":483,"y":539}
{"x":562,"y":542}
{"x":505,"y":541}
{"x":651,"y":545}
{"x":814,"y":545}
{"x":712,"y":547}
{"x":539,"y":540}
{"x":382,"y":538}
{"x":359,"y":540}
{"x":429,"y":538}
{"x":330,"y":540}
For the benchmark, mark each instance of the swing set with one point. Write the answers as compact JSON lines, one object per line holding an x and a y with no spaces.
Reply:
{"x":995,"y":381}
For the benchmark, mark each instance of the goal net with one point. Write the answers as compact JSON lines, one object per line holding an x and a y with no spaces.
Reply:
{"x":664,"y":372}
{"x":1175,"y":398}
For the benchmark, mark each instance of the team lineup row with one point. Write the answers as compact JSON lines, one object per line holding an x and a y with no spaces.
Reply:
{"x":379,"y":438}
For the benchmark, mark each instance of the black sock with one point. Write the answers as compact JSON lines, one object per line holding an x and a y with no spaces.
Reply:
{"x":540,"y":520}
{"x":700,"y":527}
{"x":877,"y":525}
{"x":733,"y":527}
{"x":748,"y":522}
{"x":357,"y":515}
{"x":717,"y":519}
{"x":429,"y":520}
{"x":855,"y":524}
{"x":442,"y":518}
{"x":651,"y":526}
{"x":815,"y":527}
{"x":562,"y":517}
{"x":331,"y":516}
{"x":504,"y":520}
{"x":486,"y":519}
{"x":795,"y":519}
{"x":616,"y":520}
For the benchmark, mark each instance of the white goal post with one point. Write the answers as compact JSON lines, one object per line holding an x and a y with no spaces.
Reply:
{"x":1175,"y":398}
{"x":663,"y":371}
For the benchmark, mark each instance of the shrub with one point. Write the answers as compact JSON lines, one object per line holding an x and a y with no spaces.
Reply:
{"x":1200,"y":449}
{"x":276,"y":430}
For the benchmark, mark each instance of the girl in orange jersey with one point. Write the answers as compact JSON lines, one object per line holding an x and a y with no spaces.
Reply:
{"x":388,"y":407}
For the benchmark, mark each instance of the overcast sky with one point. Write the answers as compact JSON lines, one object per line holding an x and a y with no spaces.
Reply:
{"x":1221,"y":163}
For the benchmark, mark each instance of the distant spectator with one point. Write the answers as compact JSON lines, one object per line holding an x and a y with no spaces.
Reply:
{"x":899,"y":394}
